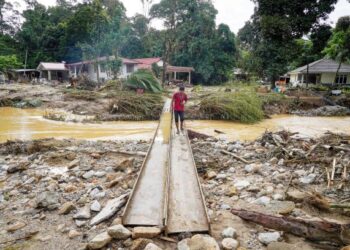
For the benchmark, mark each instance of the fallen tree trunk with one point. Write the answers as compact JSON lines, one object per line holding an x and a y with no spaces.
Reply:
{"x":320,"y":231}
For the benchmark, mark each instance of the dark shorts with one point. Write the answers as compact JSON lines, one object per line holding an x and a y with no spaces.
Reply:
{"x":180,"y":114}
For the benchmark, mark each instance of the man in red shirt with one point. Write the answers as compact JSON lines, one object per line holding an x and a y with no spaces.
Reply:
{"x":179,"y":101}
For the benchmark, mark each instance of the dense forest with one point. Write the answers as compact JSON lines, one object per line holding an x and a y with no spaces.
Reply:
{"x":280,"y":35}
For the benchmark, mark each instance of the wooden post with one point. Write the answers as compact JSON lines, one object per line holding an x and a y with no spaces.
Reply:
{"x":49,"y":75}
{"x":175,"y":75}
{"x":189,"y":77}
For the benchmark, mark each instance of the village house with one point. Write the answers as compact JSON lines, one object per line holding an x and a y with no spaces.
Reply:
{"x":128,"y":67}
{"x":321,"y":72}
{"x":53,"y":71}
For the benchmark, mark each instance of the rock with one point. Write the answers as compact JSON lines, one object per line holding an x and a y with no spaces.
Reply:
{"x":124,"y":164}
{"x":89,"y":174}
{"x":80,"y":223}
{"x":73,"y":164}
{"x":66,"y":208}
{"x":146,"y":232}
{"x":47,"y":200}
{"x":278,"y":197}
{"x":252,"y":168}
{"x":110,"y":209}
{"x":151,"y":246}
{"x":21,"y":166}
{"x":231,"y":191}
{"x":73,"y":234}
{"x":309,"y":179}
{"x":95,"y":206}
{"x":296,"y":195}
{"x":229,"y":232}
{"x":16,"y":226}
{"x":97,"y":194}
{"x":117,"y":221}
{"x":119,"y":232}
{"x":281,"y":207}
{"x":198,"y":241}
{"x":241,"y":184}
{"x":229,"y":243}
{"x":267,"y":238}
{"x":83,"y":213}
{"x":100,"y":174}
{"x":70,"y":188}
{"x":264,"y":200}
{"x":100,"y":241}
{"x":211,"y":175}
{"x":346,"y":248}
{"x":221,"y":176}
{"x":225,"y":207}
{"x":140,"y":244}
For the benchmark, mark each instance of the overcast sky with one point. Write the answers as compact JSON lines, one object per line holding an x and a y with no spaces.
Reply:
{"x":232,"y":12}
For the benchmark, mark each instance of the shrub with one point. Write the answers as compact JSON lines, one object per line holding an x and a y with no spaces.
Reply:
{"x":242,"y":106}
{"x":144,"y":79}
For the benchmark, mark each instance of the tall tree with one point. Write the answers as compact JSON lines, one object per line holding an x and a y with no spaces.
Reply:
{"x":338,"y":47}
{"x":281,"y":22}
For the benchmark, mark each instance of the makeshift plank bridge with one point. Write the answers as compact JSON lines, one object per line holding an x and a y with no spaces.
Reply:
{"x":167,"y":192}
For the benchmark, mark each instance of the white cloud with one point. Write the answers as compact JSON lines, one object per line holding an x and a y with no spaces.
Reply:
{"x":232,"y":12}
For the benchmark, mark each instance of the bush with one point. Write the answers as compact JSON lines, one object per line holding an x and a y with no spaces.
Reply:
{"x":146,"y":106}
{"x":243,"y":107}
{"x":144,"y":79}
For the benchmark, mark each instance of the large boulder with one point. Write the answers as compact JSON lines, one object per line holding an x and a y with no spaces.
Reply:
{"x":198,"y":242}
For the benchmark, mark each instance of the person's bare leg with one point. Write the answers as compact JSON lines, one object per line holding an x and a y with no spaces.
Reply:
{"x":177,"y":128}
{"x":182,"y":125}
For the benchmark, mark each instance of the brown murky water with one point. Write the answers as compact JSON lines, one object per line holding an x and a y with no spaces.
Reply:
{"x":305,"y":126}
{"x":27,"y":124}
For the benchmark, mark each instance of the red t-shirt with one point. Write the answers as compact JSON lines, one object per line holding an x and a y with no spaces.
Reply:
{"x":179,"y":100}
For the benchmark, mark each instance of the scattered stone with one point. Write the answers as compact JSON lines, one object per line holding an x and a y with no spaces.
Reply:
{"x":278,"y":197}
{"x":140,"y":244}
{"x":145,"y":232}
{"x":252,"y":168}
{"x":119,"y":232}
{"x":16,"y":226}
{"x":211,"y":175}
{"x":73,"y":164}
{"x":281,"y":207}
{"x":264,"y":200}
{"x":83,"y":213}
{"x":229,"y":232}
{"x":47,"y":200}
{"x":95,"y":206}
{"x":198,"y":241}
{"x":73,"y":234}
{"x":151,"y":246}
{"x":117,"y":221}
{"x":109,"y":210}
{"x":241,"y":184}
{"x":229,"y":243}
{"x":80,"y":223}
{"x":267,"y":238}
{"x":309,"y":179}
{"x":100,"y":241}
{"x":296,"y":195}
{"x":66,"y":208}
{"x":21,"y":166}
{"x":89,"y":174}
{"x":124,"y":164}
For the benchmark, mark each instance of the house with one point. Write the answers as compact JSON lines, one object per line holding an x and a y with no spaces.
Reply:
{"x":321,"y":72}
{"x":53,"y":71}
{"x":88,"y":67}
{"x":128,"y":67}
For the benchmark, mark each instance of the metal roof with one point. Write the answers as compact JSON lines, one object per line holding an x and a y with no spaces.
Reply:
{"x":52,"y":66}
{"x":323,"y":66}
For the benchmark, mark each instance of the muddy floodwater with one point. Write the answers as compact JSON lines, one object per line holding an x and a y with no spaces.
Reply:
{"x":27,"y":124}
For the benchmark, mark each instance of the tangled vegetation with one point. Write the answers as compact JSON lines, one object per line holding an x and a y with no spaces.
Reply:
{"x":146,"y":106}
{"x":85,"y":95}
{"x":144,"y":79}
{"x":242,"y":106}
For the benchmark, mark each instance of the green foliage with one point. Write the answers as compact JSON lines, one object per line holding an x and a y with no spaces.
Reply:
{"x":272,"y":98}
{"x":242,"y":106}
{"x":9,"y":62}
{"x":144,"y":79}
{"x":145,"y":106}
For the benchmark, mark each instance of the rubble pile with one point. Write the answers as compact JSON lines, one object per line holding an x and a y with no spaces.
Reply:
{"x":70,"y":194}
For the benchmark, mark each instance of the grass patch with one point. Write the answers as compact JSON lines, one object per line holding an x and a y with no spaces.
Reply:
{"x":272,"y":98}
{"x":145,"y":106}
{"x":244,"y":107}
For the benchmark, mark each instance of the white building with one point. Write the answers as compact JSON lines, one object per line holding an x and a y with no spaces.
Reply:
{"x":321,"y":72}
